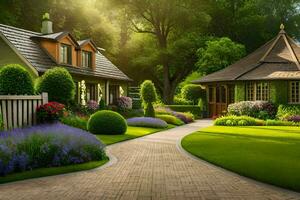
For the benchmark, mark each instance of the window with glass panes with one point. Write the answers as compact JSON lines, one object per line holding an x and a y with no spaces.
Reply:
{"x":86,"y":59}
{"x":250,"y":91}
{"x":65,"y":54}
{"x":262,"y":91}
{"x":294,"y":93}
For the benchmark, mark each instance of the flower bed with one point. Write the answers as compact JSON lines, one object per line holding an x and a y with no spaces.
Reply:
{"x":186,"y":117}
{"x":47,"y":146}
{"x":147,"y":122}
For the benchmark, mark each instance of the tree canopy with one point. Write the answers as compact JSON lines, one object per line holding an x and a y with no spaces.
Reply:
{"x":163,"y":40}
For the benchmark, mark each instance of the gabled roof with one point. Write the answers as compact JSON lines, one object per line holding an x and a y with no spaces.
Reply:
{"x":82,"y":43}
{"x":22,"y":41}
{"x":56,"y":37}
{"x":277,"y":59}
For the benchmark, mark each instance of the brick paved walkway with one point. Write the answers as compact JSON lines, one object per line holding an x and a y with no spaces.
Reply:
{"x":151,"y":167}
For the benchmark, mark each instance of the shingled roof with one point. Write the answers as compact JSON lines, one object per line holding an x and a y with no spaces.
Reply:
{"x":277,"y":59}
{"x":24,"y":42}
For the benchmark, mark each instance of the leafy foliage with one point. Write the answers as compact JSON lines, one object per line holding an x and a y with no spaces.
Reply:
{"x":192,"y":92}
{"x":256,"y":109}
{"x":124,"y":103}
{"x":148,"y":96}
{"x":1,"y":122}
{"x":49,"y":112}
{"x":238,"y":121}
{"x":286,"y":111}
{"x":15,"y":80}
{"x":194,"y":109}
{"x":107,"y":123}
{"x":170,"y":119}
{"x":74,"y":121}
{"x":58,"y":83}
{"x":218,"y":54}
{"x":102,"y":104}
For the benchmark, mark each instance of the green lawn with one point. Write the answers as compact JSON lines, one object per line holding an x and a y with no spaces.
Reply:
{"x":42,"y":172}
{"x":132,"y":132}
{"x":267,"y":154}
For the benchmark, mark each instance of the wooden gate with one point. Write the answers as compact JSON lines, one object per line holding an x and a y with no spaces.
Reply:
{"x":19,"y":111}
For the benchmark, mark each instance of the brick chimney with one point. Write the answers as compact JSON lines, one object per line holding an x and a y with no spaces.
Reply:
{"x":46,"y":24}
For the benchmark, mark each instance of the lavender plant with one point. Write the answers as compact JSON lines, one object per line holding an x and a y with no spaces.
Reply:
{"x":47,"y":146}
{"x":147,"y":122}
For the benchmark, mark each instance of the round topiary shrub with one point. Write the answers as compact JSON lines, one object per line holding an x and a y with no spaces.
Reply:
{"x":107,"y":123}
{"x":148,"y":96}
{"x":15,"y":80}
{"x":192,"y":92}
{"x":59,"y":84}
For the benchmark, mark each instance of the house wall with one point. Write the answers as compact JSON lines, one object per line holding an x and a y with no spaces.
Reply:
{"x":279,"y":92}
{"x":8,"y":56}
{"x":240,"y":92}
{"x":52,"y":48}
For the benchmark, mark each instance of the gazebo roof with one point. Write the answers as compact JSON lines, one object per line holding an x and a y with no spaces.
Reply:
{"x":277,"y":59}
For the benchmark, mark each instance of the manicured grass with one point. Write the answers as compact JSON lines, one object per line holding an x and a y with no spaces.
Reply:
{"x":132,"y":132}
{"x":42,"y":172}
{"x":267,"y":154}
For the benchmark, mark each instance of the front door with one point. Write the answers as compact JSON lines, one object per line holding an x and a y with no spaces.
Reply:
{"x":218,"y":98}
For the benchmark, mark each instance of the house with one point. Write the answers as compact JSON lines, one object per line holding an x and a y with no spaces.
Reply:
{"x":271,"y":73}
{"x":94,"y":75}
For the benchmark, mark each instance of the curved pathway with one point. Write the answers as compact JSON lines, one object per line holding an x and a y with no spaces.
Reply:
{"x":152,"y":167}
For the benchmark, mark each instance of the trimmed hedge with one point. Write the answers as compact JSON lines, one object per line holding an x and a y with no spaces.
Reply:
{"x":107,"y":123}
{"x":194,"y":109}
{"x":59,"y":84}
{"x":182,"y":101}
{"x":171,"y":119}
{"x":286,"y":111}
{"x":238,"y":121}
{"x":15,"y":80}
{"x":148,"y":96}
{"x":192,"y":92}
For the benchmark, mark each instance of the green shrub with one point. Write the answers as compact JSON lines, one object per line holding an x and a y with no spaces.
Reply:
{"x":15,"y":80}
{"x":182,"y":101}
{"x":59,"y":84}
{"x":148,"y":96}
{"x":286,"y":111}
{"x":102,"y":104}
{"x":170,"y":119}
{"x":281,"y":123}
{"x":107,"y":122}
{"x":192,"y":92}
{"x":75,"y":121}
{"x":238,"y":121}
{"x":195,"y":110}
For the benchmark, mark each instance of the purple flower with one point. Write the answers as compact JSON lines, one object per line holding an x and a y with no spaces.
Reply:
{"x":45,"y":146}
{"x":124,"y":103}
{"x":147,"y":122}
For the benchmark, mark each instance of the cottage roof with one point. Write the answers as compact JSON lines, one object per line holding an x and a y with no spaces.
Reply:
{"x":277,"y":59}
{"x":24,"y":42}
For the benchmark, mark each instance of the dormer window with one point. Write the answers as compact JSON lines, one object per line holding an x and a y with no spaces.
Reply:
{"x":66,"y":54}
{"x":86,"y":60}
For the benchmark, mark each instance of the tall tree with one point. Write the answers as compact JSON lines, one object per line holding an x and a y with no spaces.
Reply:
{"x":166,"y":21}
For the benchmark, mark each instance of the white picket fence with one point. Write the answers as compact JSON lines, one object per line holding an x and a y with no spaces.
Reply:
{"x":19,"y":111}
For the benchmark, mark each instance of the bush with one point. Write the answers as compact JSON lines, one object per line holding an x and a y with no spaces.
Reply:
{"x":170,"y":119}
{"x":59,"y":84}
{"x":148,"y":96}
{"x":107,"y":122}
{"x":295,"y":118}
{"x":192,"y":92}
{"x":102,"y":104}
{"x":75,"y":121}
{"x":238,"y":121}
{"x":147,"y":122}
{"x":281,"y":123}
{"x":182,"y":101}
{"x":132,"y":113}
{"x":286,"y":111}
{"x":124,"y":103}
{"x":257,"y":109}
{"x":47,"y":146}
{"x":195,"y":110}
{"x":92,"y":106}
{"x":186,"y":117}
{"x":49,"y":112}
{"x":15,"y":80}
